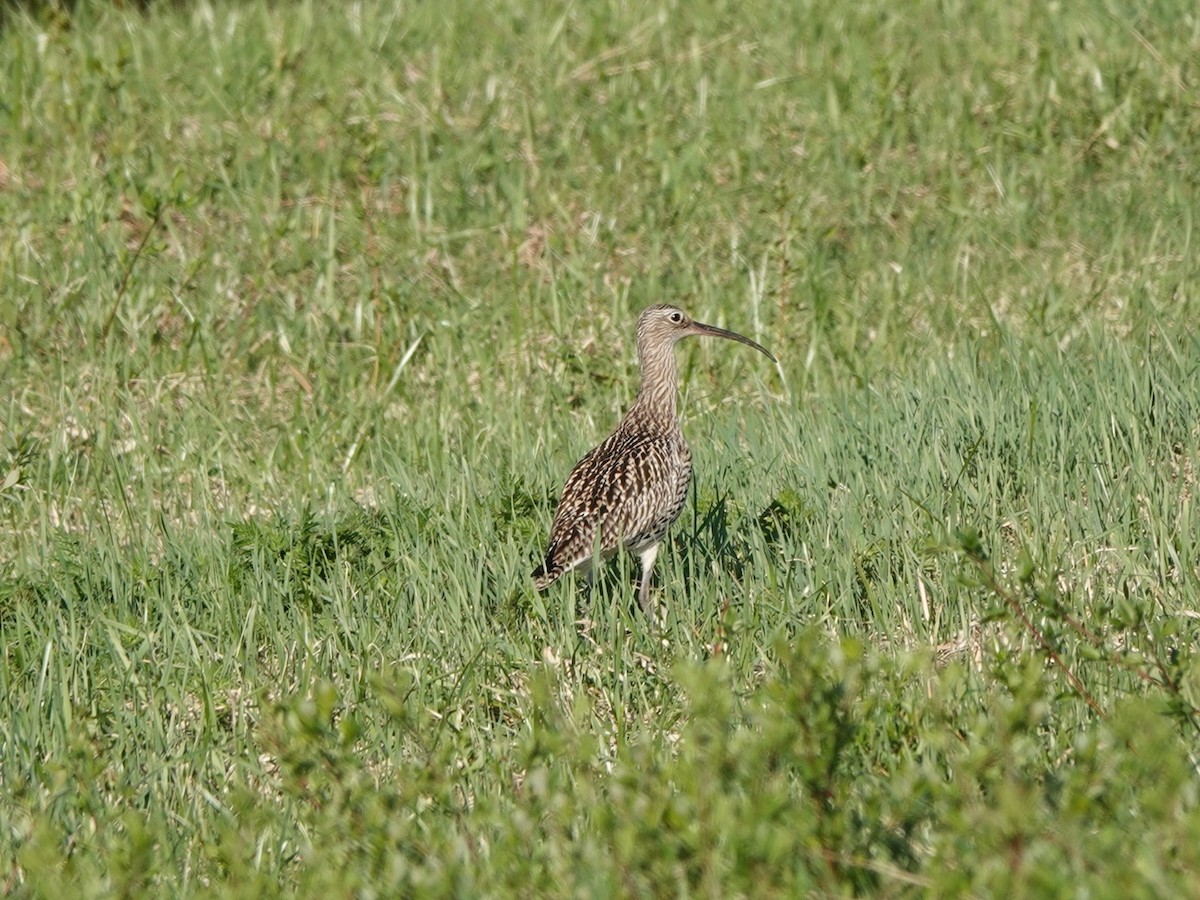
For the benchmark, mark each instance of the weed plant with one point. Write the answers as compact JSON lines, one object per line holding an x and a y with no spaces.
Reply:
{"x":307,"y":309}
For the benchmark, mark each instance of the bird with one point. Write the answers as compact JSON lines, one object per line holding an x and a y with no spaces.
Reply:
{"x":629,"y":490}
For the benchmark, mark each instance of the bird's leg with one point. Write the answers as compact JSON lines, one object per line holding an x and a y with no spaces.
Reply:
{"x":647,"y":556}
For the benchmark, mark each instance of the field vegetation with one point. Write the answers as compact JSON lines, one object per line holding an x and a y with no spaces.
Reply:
{"x":307,"y":309}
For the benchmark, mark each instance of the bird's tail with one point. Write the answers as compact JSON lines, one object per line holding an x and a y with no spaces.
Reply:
{"x":546,"y":574}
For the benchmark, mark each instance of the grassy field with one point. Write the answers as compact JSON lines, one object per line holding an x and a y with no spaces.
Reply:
{"x":306,"y":310}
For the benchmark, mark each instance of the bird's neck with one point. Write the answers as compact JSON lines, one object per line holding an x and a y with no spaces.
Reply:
{"x":659,"y":390}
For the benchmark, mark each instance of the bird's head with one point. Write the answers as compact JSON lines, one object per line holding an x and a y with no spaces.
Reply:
{"x":660,"y":327}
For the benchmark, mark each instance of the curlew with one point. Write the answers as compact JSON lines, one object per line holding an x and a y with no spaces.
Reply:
{"x":629,"y":490}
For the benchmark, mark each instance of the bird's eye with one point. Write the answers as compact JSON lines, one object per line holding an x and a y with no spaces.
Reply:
{"x":677,"y":317}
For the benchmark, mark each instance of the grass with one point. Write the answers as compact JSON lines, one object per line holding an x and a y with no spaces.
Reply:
{"x":307,"y":310}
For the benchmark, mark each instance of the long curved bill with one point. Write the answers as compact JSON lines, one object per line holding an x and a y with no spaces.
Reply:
{"x":699,"y":328}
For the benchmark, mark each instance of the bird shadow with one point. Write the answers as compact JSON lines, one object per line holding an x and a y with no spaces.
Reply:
{"x":716,"y":540}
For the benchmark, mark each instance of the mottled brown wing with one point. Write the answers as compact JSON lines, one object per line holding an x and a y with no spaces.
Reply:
{"x":624,"y":487}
